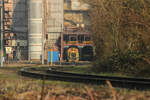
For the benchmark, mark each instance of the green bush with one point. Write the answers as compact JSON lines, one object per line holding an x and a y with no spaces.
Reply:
{"x":130,"y":63}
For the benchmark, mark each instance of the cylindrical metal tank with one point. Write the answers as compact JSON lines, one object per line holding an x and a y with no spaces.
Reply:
{"x":55,"y":21}
{"x":34,"y":29}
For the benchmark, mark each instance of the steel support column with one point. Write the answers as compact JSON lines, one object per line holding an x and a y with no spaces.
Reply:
{"x":2,"y":30}
{"x":44,"y":28}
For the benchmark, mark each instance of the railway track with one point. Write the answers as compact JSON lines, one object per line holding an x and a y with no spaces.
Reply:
{"x":52,"y":74}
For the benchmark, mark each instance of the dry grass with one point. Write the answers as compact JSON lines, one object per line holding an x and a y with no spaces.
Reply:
{"x":13,"y":87}
{"x":115,"y":97}
{"x":31,"y":90}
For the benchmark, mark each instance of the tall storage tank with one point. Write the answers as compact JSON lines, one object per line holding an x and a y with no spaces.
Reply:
{"x":34,"y":29}
{"x":55,"y":19}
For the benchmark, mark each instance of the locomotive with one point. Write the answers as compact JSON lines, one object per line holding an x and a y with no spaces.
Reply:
{"x":78,"y":46}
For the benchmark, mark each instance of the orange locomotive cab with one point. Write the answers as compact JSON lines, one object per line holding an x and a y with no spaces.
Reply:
{"x":73,"y":54}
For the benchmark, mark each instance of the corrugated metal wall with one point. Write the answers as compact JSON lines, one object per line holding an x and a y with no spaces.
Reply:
{"x":19,"y":23}
{"x":19,"y":16}
{"x":55,"y":15}
{"x":55,"y":20}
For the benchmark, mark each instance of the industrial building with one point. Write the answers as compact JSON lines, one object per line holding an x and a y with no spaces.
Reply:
{"x":33,"y":27}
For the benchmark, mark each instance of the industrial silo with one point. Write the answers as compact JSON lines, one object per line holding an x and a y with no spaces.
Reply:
{"x":55,"y":21}
{"x":34,"y":29}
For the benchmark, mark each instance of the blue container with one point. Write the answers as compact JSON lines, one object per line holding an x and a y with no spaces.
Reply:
{"x":55,"y":57}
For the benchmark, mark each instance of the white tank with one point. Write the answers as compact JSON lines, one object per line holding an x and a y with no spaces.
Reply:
{"x":34,"y":29}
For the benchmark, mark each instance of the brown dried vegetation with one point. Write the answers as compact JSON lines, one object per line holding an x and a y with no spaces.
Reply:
{"x":31,"y":90}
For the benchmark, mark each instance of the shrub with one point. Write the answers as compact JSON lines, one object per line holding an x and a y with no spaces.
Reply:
{"x":131,"y":63}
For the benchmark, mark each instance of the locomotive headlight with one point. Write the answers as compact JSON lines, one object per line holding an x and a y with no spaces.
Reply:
{"x":82,"y":25}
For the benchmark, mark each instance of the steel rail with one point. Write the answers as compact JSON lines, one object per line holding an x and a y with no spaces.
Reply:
{"x":133,"y":83}
{"x":53,"y":71}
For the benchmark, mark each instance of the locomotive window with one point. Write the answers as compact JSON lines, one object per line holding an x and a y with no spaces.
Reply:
{"x":81,"y":38}
{"x":73,"y":39}
{"x":66,"y":38}
{"x":87,"y":38}
{"x":46,"y":36}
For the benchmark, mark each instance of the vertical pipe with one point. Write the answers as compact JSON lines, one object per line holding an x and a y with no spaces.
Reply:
{"x":45,"y":27}
{"x":62,"y":47}
{"x":51,"y":57}
{"x":2,"y":30}
{"x":27,"y":10}
{"x":62,"y":41}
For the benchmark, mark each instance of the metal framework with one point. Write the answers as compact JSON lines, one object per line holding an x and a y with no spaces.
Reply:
{"x":14,"y":28}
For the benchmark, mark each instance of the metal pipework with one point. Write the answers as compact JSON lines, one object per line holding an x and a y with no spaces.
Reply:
{"x":2,"y":30}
